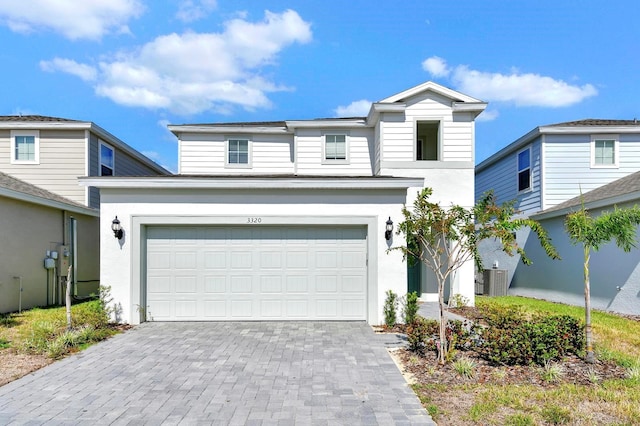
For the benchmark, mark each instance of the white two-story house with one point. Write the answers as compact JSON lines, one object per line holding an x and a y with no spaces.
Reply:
{"x":545,"y":171}
{"x":287,"y":220}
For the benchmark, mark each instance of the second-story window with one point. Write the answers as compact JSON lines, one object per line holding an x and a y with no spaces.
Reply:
{"x":335,"y":147}
{"x":238,"y":152}
{"x":427,"y":140}
{"x":524,"y":170}
{"x":604,"y":152}
{"x":25,"y":147}
{"x":106,"y":160}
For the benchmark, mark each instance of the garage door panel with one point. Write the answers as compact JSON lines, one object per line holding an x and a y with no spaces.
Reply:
{"x":215,"y":259}
{"x":215,"y":284}
{"x":253,"y":273}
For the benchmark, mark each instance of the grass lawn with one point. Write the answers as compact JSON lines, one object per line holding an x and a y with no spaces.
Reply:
{"x":534,"y":395}
{"x":36,"y":337}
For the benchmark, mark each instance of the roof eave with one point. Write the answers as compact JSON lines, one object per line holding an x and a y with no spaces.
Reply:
{"x":211,"y":182}
{"x":596,"y":204}
{"x":512,"y":147}
{"x":29,"y":198}
{"x":178,"y":129}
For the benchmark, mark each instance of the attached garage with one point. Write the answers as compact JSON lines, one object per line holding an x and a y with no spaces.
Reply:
{"x":218,"y":273}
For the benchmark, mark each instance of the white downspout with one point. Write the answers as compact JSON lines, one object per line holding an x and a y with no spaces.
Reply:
{"x":19,"y":294}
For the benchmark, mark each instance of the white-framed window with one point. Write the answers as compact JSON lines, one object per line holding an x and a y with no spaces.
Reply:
{"x":25,"y":147}
{"x":238,"y":152}
{"x":107,"y":160}
{"x":604,"y":151}
{"x":335,"y":148}
{"x":524,"y":170}
{"x":427,"y":140}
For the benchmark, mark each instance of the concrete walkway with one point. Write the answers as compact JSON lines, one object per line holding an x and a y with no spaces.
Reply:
{"x":222,"y":373}
{"x":430,"y":310}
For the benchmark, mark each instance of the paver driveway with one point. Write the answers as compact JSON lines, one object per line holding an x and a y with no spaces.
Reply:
{"x":221,"y":373}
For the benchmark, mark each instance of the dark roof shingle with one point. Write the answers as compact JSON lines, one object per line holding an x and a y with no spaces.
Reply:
{"x":596,"y":122}
{"x":13,"y":184}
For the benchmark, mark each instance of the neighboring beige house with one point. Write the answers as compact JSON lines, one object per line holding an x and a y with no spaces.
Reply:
{"x":287,"y":220}
{"x":43,"y":157}
{"x":52,"y":153}
{"x":35,"y":222}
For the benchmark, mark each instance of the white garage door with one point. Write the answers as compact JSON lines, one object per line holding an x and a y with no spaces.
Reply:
{"x":256,"y":273}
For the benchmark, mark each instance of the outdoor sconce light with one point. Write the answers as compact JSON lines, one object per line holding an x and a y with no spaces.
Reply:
{"x":389,"y":229}
{"x":116,"y":228}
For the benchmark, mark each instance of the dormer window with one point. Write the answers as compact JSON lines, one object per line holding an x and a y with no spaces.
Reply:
{"x":336,"y":148}
{"x":427,"y":140}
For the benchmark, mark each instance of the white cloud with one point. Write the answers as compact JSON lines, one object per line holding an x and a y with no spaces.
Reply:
{"x":72,"y":18}
{"x":436,"y":66}
{"x":85,"y":72}
{"x":192,"y":10}
{"x":194,"y":72}
{"x":488,"y":115}
{"x":521,"y":89}
{"x":354,"y":109}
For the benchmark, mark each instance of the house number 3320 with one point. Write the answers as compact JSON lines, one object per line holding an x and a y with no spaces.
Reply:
{"x":254,"y":220}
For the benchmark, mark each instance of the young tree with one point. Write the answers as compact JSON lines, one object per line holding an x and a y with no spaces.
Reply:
{"x":444,"y":239}
{"x":620,"y":224}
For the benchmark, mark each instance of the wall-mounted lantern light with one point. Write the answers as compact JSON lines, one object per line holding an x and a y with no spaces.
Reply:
{"x":116,"y":228}
{"x":389,"y":229}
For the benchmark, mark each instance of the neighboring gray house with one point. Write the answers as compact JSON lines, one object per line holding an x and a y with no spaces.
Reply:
{"x":287,"y":220}
{"x":49,"y":154}
{"x":553,"y":164}
{"x":614,"y":274}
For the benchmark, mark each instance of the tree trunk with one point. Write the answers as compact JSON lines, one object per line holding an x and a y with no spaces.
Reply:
{"x":443,"y":323}
{"x":68,"y":299}
{"x":590,"y":358}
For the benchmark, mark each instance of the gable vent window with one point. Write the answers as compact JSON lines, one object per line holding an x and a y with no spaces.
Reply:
{"x":524,"y":170}
{"x":106,"y":160}
{"x":335,"y":147}
{"x":427,"y":140}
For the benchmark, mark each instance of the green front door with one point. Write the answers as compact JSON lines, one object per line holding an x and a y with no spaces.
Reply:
{"x":413,"y":276}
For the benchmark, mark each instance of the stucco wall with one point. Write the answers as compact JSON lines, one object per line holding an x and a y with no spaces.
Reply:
{"x":615,"y":275}
{"x":327,"y":207}
{"x":28,"y":231}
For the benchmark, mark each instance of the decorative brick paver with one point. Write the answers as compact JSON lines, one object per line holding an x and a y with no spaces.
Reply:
{"x":252,"y":373}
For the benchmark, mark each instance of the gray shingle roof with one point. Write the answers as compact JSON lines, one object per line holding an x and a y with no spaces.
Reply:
{"x":14,"y":184}
{"x":596,"y":122}
{"x":624,"y":186}
{"x":36,"y":119}
{"x":270,"y":123}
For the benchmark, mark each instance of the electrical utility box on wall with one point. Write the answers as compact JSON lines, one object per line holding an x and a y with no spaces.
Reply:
{"x":495,"y":282}
{"x":64,"y":258}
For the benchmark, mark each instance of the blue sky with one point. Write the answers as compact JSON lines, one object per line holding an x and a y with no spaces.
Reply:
{"x":134,"y":66}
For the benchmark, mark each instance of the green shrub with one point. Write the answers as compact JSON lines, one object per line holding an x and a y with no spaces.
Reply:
{"x":410,"y":310}
{"x":420,"y":334}
{"x":390,"y":309}
{"x":513,"y":338}
{"x":90,"y":313}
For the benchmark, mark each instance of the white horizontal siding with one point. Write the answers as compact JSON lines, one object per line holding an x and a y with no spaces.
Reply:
{"x":310,"y":160}
{"x":62,"y":161}
{"x":205,"y":154}
{"x":398,"y":137}
{"x":568,"y":166}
